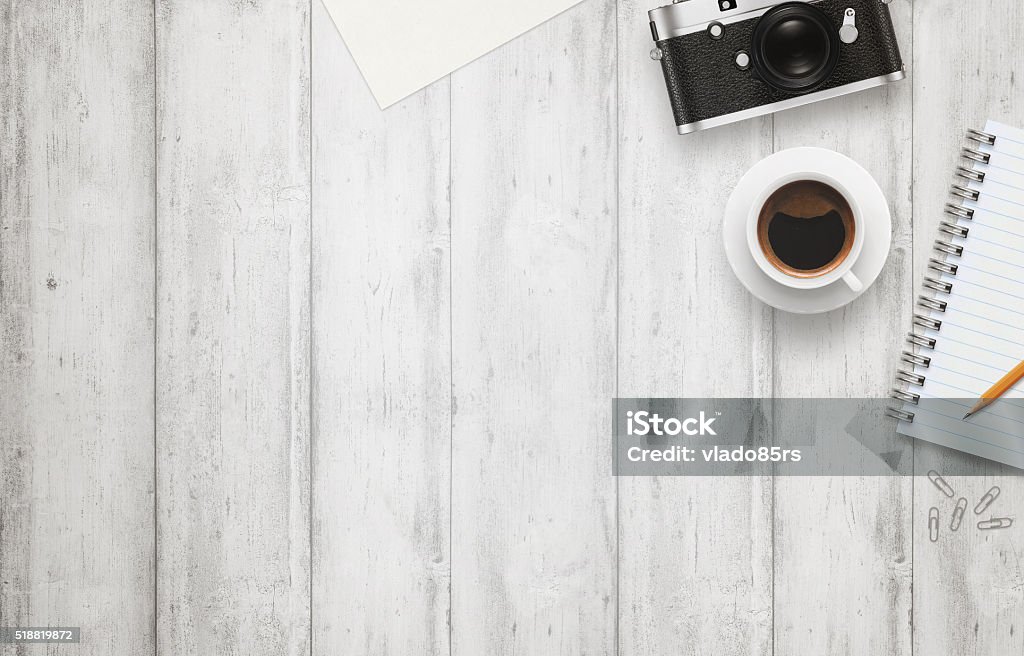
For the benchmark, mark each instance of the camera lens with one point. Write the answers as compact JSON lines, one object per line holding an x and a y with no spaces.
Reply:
{"x":794,"y":47}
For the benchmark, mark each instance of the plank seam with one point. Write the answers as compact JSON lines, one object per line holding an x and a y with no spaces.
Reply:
{"x":156,"y":330}
{"x":618,"y":212}
{"x":451,"y":369}
{"x":312,"y":326}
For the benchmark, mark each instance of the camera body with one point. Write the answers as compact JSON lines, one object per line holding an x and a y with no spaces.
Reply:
{"x":730,"y":60}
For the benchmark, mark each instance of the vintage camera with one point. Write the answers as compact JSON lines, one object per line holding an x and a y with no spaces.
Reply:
{"x":730,"y":60}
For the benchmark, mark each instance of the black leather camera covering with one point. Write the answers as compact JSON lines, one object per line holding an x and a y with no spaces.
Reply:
{"x":703,"y":80}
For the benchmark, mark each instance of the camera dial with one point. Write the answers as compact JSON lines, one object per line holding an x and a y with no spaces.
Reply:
{"x":794,"y":47}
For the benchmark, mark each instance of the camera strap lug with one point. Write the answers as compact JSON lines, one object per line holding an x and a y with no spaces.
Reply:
{"x":848,"y":32}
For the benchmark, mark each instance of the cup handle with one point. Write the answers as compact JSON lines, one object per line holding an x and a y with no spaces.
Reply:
{"x":853,"y":282}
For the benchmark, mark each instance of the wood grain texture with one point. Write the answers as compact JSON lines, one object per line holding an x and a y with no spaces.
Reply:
{"x":475,"y":273}
{"x":533,"y":305}
{"x":842,"y":544}
{"x":76,"y":322}
{"x":969,"y":586}
{"x":381,"y":362}
{"x":694,"y":553}
{"x":232,"y":327}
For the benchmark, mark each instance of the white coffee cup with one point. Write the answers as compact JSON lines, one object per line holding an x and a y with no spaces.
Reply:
{"x":843,"y":271}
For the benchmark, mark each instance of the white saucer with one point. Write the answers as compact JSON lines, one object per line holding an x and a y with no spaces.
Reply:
{"x":878,"y":233}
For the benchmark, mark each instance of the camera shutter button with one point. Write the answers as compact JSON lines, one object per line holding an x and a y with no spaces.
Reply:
{"x":848,"y":32}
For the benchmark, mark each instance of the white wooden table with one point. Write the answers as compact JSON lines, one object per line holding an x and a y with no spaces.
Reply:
{"x":282,"y":374}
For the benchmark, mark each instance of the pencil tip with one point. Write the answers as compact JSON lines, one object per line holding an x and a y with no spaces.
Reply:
{"x":968,"y":415}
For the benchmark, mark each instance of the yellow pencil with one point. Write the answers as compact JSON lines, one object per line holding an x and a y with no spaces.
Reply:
{"x":997,"y":390}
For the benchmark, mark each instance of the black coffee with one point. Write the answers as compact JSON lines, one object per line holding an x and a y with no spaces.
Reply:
{"x":807,"y":244}
{"x":806,"y":228}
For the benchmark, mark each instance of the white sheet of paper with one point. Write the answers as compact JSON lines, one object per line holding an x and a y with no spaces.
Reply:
{"x":402,"y":46}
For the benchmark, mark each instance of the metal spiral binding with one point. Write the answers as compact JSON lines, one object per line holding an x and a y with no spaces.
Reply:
{"x":965,"y":192}
{"x":946,"y":250}
{"x":902,"y":416}
{"x":931,"y":303}
{"x":975,"y":155}
{"x":910,"y":377}
{"x":953,"y":229}
{"x":942,"y":266}
{"x":903,"y":395}
{"x":981,"y":137}
{"x":916,"y":358}
{"x":938,"y":285}
{"x":970,"y":174}
{"x":921,"y":340}
{"x":959,"y":211}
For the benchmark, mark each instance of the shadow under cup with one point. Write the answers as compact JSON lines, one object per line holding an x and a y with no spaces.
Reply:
{"x":806,"y":229}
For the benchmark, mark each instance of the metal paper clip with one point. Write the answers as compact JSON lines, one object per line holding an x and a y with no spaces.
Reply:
{"x":958,"y":513}
{"x":941,"y":483}
{"x":987,"y":500}
{"x":933,"y":524}
{"x":995,"y":522}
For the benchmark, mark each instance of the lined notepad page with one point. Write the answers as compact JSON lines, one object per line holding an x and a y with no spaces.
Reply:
{"x":982,"y":333}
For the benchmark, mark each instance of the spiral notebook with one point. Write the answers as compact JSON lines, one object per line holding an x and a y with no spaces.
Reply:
{"x":969,"y":325}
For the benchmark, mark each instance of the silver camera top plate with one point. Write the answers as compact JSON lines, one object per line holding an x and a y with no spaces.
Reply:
{"x":690,"y":16}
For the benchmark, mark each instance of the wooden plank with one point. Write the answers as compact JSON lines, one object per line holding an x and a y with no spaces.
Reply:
{"x":232,"y":327}
{"x":843,"y":544}
{"x":533,"y":305}
{"x":76,"y":322}
{"x":968,"y":587}
{"x":382,"y":357}
{"x":694,"y":553}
